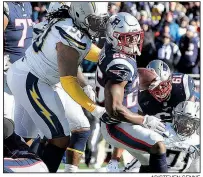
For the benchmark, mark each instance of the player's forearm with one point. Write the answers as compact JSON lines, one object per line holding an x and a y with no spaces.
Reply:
{"x":68,"y":67}
{"x":72,"y":87}
{"x":114,"y":95}
{"x":120,"y":112}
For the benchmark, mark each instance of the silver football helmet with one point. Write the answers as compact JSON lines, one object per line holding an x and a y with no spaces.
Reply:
{"x":54,"y":6}
{"x":90,"y":16}
{"x":161,"y":88}
{"x":125,"y":34}
{"x":186,"y":118}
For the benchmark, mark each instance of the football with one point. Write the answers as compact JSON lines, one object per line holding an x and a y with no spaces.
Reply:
{"x":146,"y":76}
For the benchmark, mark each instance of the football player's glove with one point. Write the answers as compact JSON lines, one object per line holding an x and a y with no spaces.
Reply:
{"x":153,"y":123}
{"x":98,"y":112}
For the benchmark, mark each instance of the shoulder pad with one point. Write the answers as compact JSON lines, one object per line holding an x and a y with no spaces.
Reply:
{"x":70,"y":35}
{"x":123,"y":62}
{"x":120,"y":70}
{"x":38,"y":28}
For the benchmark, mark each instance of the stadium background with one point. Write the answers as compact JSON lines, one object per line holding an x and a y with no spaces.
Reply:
{"x":166,"y":24}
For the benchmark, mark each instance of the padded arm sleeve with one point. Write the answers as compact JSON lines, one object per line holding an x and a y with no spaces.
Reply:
{"x":93,"y":54}
{"x":72,"y":87}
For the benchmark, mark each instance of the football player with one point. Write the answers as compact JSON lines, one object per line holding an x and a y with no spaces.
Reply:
{"x":17,"y":38}
{"x":117,"y":84}
{"x":182,"y":140}
{"x":17,"y":155}
{"x":17,"y":29}
{"x":54,"y":57}
{"x":164,"y":94}
{"x":78,"y":122}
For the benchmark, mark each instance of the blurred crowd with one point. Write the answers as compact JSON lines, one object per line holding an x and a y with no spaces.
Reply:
{"x":172,"y":32}
{"x":39,"y":11}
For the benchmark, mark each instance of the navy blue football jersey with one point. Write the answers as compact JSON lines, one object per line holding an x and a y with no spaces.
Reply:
{"x":183,"y":88}
{"x":15,"y":147}
{"x":18,"y":33}
{"x":117,"y":67}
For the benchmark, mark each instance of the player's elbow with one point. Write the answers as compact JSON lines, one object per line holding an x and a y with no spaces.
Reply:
{"x":114,"y":109}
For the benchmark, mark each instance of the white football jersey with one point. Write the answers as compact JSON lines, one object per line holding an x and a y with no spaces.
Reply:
{"x":38,"y":29}
{"x":182,"y":156}
{"x":181,"y":153}
{"x":41,"y":56}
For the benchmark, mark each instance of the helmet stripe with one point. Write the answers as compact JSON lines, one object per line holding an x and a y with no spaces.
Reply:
{"x":94,"y":6}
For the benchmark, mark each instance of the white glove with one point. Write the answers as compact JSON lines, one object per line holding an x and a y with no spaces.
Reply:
{"x":153,"y":123}
{"x":112,"y":166}
{"x":88,"y":89}
{"x":98,"y":112}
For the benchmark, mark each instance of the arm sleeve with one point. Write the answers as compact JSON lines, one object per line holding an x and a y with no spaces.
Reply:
{"x":72,"y":87}
{"x":93,"y":54}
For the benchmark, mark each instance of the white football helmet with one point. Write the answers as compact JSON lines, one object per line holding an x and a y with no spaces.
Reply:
{"x":186,"y":118}
{"x":161,"y":88}
{"x":54,"y":6}
{"x":90,"y":16}
{"x":125,"y":34}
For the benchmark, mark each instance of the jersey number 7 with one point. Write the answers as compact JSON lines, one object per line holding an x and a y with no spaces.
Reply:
{"x":25,"y":23}
{"x":174,"y":159}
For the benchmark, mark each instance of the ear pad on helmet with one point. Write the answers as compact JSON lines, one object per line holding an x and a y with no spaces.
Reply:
{"x":8,"y":127}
